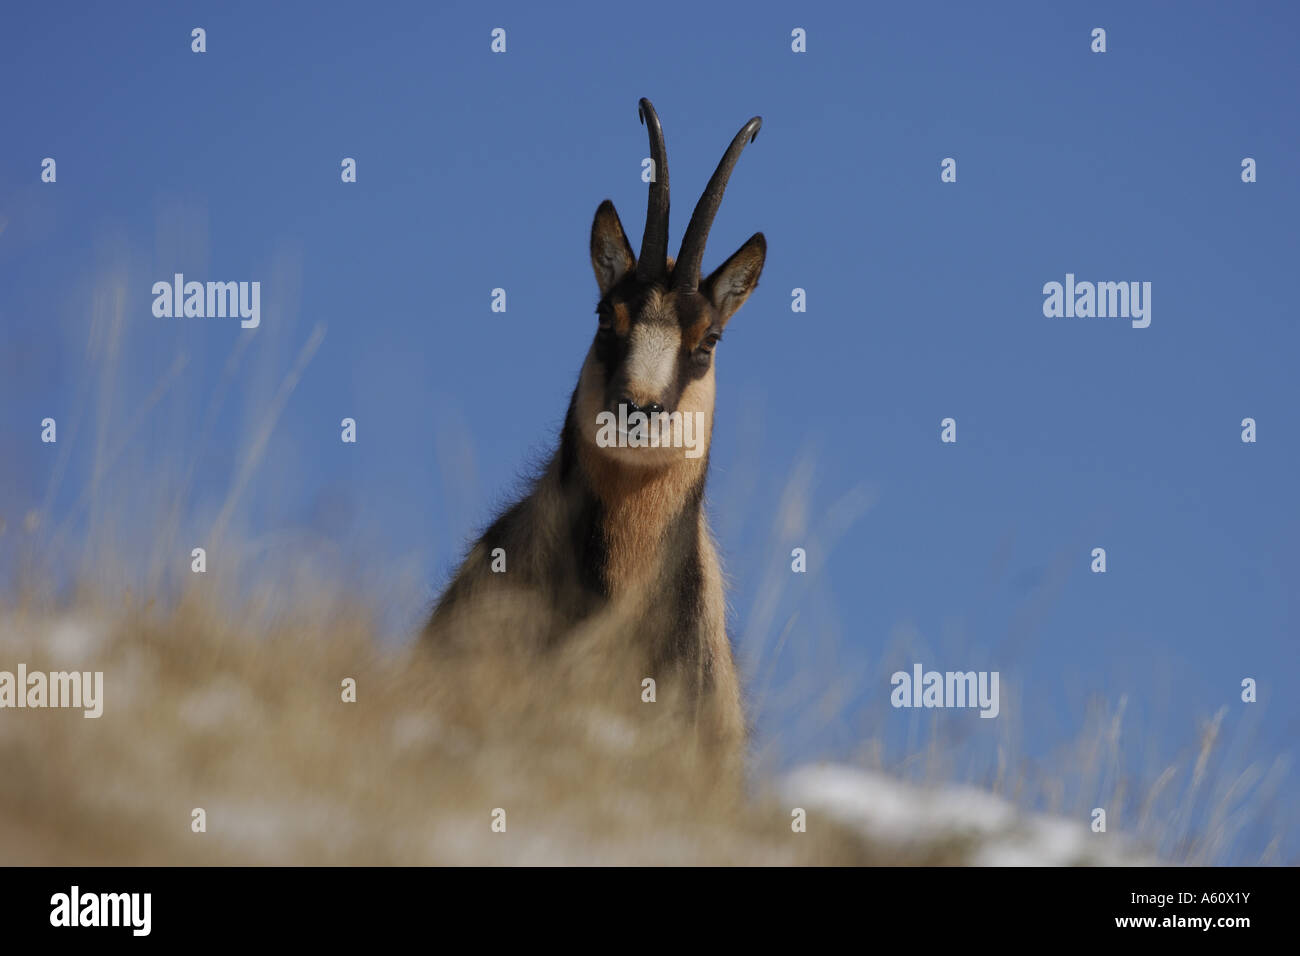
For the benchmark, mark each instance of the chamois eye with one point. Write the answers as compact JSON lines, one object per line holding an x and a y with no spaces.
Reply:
{"x":710,"y":340}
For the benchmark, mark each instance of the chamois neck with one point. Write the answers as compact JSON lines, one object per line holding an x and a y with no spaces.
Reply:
{"x":666,"y":490}
{"x":649,"y":519}
{"x":643,"y":519}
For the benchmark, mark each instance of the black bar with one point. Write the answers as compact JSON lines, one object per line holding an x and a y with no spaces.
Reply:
{"x":330,"y":905}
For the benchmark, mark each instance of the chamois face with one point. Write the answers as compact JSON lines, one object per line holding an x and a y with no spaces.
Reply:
{"x":653,"y":351}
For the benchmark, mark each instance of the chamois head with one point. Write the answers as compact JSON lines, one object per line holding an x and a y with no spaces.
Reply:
{"x":659,"y":322}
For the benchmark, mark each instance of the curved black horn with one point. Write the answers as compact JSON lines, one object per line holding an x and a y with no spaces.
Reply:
{"x":686,"y":272}
{"x":652,"y":264}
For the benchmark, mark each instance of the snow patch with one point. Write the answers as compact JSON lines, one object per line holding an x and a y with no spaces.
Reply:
{"x":995,"y":832}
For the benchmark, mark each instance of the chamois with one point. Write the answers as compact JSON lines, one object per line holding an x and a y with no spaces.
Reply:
{"x":613,"y":533}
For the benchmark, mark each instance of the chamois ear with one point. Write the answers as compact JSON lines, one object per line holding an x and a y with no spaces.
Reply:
{"x":611,"y":253}
{"x":731,"y":283}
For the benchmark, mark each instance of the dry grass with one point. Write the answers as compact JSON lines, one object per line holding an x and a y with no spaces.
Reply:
{"x":240,"y":712}
{"x":246,"y":720}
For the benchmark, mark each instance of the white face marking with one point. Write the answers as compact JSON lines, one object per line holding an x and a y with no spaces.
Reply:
{"x":652,"y":357}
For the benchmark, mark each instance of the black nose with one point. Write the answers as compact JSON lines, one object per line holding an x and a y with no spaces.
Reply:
{"x":654,"y":408}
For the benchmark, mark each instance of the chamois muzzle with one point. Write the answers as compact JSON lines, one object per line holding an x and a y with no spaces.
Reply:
{"x":653,"y":408}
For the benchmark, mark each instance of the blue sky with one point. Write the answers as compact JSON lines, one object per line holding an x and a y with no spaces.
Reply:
{"x":478,"y":171}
